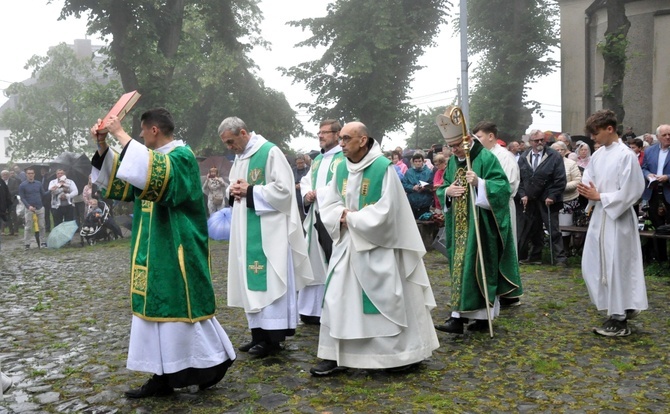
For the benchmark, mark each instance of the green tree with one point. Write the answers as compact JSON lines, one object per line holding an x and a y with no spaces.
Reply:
{"x":54,"y":113}
{"x":511,"y":39}
{"x":187,"y":56}
{"x":613,"y":49}
{"x":372,"y":48}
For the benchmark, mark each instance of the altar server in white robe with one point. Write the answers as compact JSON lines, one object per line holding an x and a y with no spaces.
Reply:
{"x":319,"y":243}
{"x":268,"y":260}
{"x":612,"y":258}
{"x":376,"y":311}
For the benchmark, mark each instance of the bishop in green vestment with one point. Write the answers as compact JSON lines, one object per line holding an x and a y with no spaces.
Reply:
{"x":492,"y":190}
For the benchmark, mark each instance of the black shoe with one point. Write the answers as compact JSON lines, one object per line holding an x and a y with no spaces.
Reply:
{"x":221,"y":372}
{"x":263,"y":349}
{"x":613,"y":327}
{"x":632,"y":314}
{"x":310,"y":320}
{"x":27,"y":247}
{"x":156,"y":386}
{"x":509,"y":302}
{"x":403,"y":368}
{"x":246,"y":347}
{"x":452,"y":325}
{"x":530,"y":261}
{"x":479,"y":325}
{"x":325,"y":368}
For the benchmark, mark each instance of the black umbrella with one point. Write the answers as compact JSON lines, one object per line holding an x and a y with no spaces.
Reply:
{"x":77,"y":167}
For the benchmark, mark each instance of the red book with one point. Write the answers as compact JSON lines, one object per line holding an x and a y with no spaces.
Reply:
{"x":120,"y":109}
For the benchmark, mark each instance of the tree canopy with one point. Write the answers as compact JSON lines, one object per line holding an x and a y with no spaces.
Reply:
{"x":511,"y":39}
{"x":54,"y":113}
{"x":371,"y":54}
{"x":189,"y":57}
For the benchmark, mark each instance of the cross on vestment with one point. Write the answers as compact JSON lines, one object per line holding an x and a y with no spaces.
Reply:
{"x":256,"y":267}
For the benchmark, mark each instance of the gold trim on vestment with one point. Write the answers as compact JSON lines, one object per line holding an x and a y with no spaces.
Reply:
{"x":182,"y":266}
{"x":460,"y":211}
{"x":158,"y":177}
{"x":139,"y":280}
{"x":150,"y":319}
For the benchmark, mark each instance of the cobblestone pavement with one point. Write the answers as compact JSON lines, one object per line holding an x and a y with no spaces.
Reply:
{"x":65,"y":323}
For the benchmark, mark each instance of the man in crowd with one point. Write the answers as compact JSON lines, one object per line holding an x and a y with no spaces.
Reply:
{"x":319,"y":243}
{"x":565,"y":138}
{"x":5,"y":202}
{"x":418,"y":184}
{"x":541,"y":191}
{"x":173,"y":333}
{"x":612,"y":257}
{"x":656,"y":169}
{"x":268,"y":260}
{"x":13,"y":186}
{"x":21,"y":175}
{"x":46,"y":200}
{"x":31,"y":194}
{"x":513,"y":147}
{"x":63,"y":190}
{"x":492,"y":194}
{"x":376,"y":309}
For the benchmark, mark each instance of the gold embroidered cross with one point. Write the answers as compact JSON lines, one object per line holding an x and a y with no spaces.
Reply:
{"x":256,"y":267}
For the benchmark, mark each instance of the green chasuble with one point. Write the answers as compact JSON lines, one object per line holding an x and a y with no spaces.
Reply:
{"x":170,"y":272}
{"x":370,"y":193}
{"x":499,"y":251}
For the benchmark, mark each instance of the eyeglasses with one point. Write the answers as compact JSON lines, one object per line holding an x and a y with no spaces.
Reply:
{"x":345,"y":138}
{"x":452,"y":146}
{"x":325,"y":132}
{"x":537,"y":140}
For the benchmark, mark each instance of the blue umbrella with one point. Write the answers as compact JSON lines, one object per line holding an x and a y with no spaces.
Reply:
{"x":218,"y":225}
{"x":61,"y":234}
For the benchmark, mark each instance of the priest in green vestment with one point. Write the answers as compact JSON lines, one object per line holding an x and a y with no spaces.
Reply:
{"x":492,"y":193}
{"x":173,"y":334}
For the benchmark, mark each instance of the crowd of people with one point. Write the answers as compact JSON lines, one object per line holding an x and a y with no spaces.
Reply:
{"x":322,"y":242}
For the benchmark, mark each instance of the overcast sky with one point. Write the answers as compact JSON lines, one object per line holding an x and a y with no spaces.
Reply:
{"x":30,"y":27}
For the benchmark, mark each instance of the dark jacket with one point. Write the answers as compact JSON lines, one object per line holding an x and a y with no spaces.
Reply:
{"x":5,"y":200}
{"x":650,"y":166}
{"x":547,"y":181}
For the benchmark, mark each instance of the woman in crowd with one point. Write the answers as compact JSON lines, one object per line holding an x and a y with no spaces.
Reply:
{"x":570,"y":195}
{"x":583,"y":155}
{"x":396,"y":159}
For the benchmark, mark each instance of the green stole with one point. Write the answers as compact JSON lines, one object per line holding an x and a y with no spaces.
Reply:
{"x":257,"y":277}
{"x":334,"y":162}
{"x":370,"y":193}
